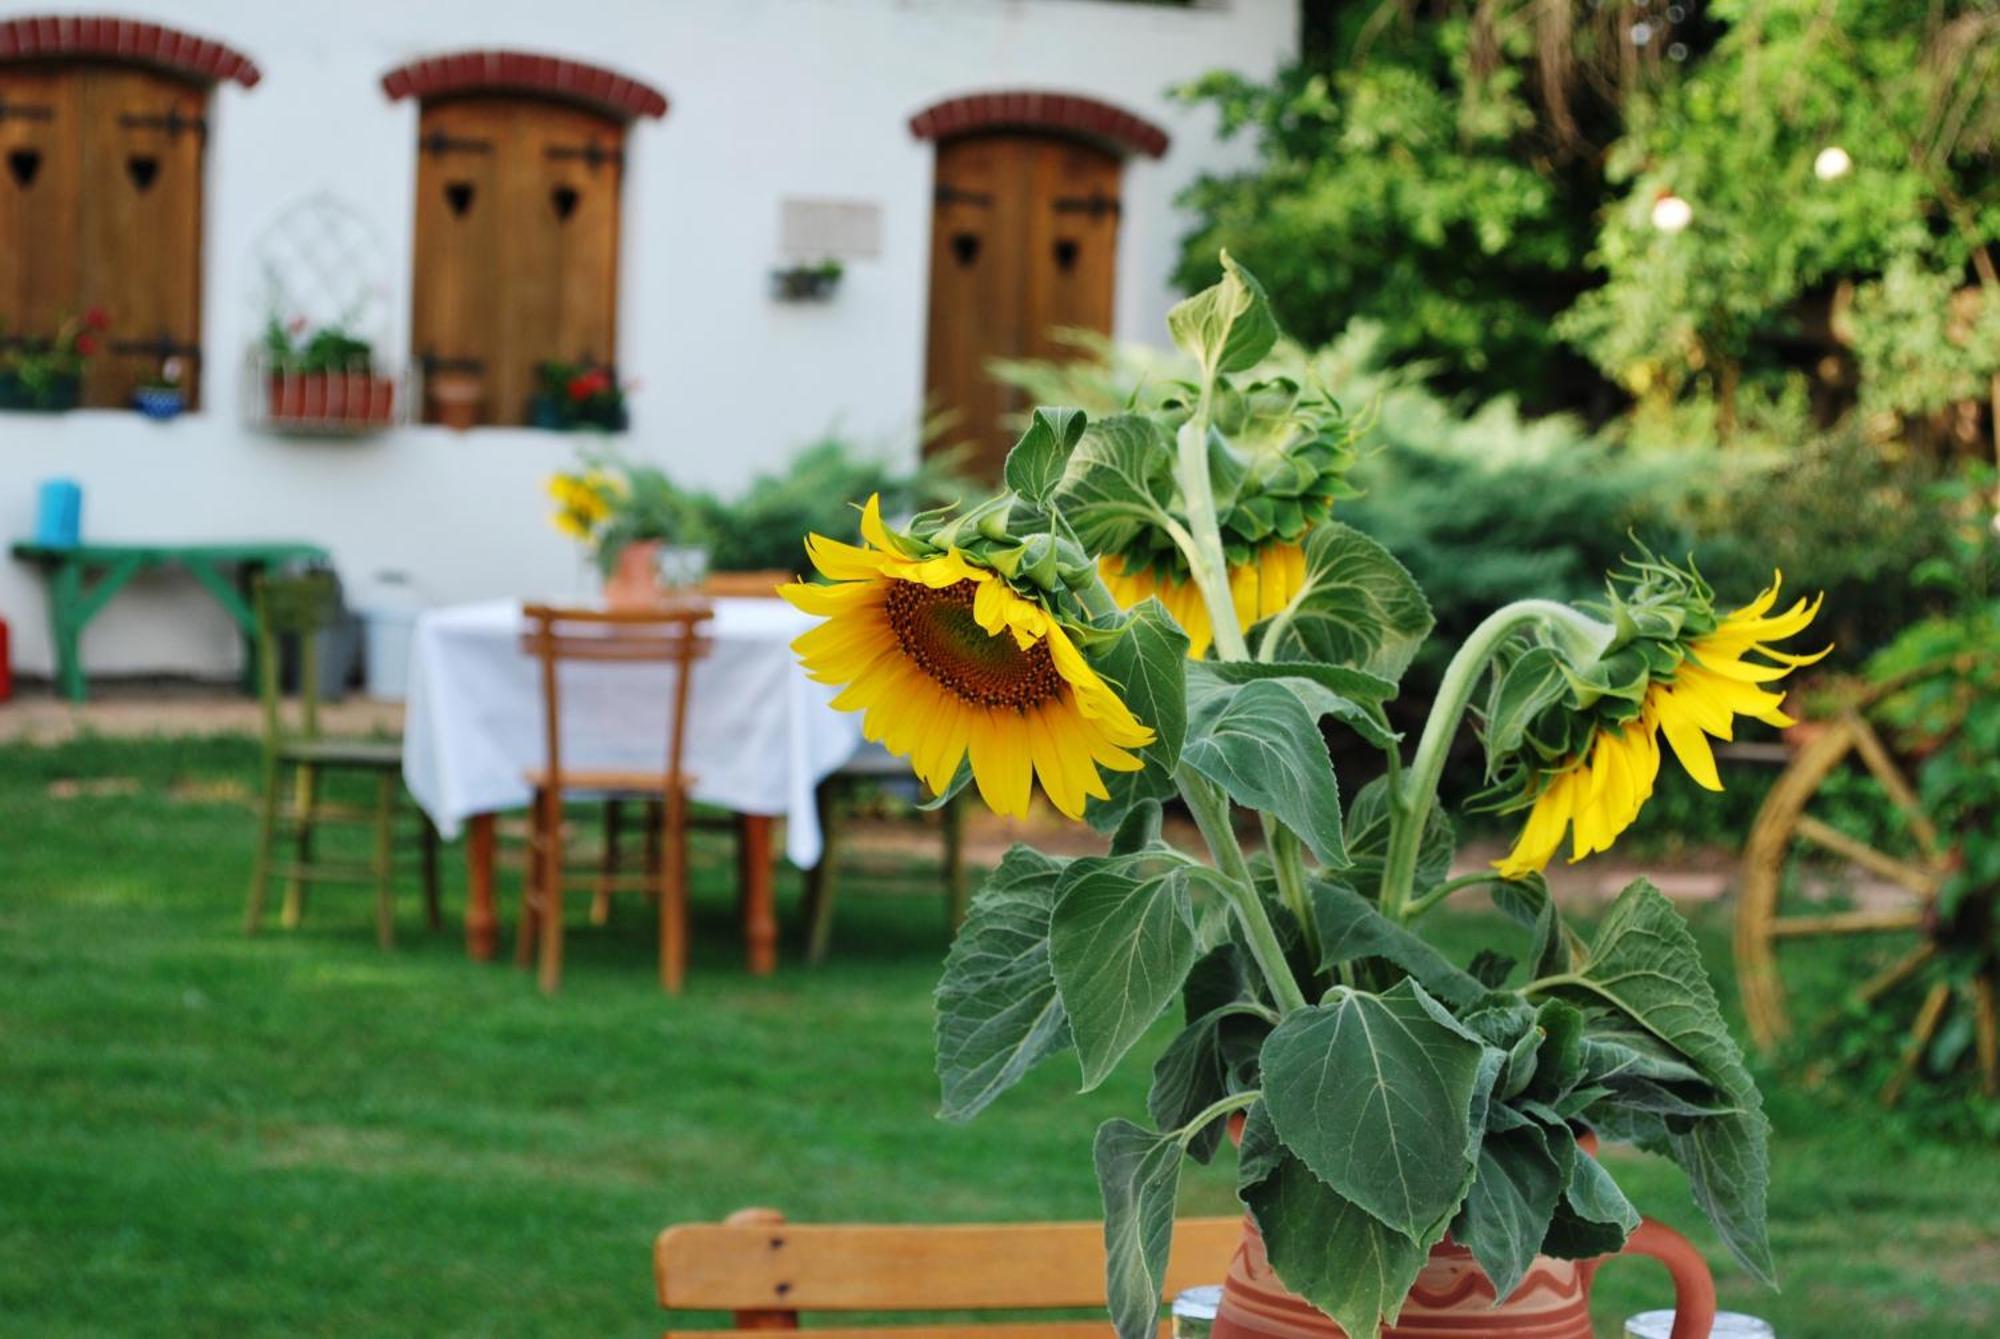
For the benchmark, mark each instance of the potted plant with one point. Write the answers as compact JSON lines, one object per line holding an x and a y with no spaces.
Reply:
{"x":48,"y":376}
{"x":623,"y":514}
{"x":323,"y":378}
{"x":807,"y":282}
{"x":573,"y":396}
{"x":1416,"y":1131}
{"x":162,"y":396}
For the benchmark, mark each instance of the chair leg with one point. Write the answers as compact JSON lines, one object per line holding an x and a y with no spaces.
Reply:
{"x":383,"y":865}
{"x":260,"y":866}
{"x":954,"y":862}
{"x":673,"y":894}
{"x":549,"y":903}
{"x":656,"y":822}
{"x":607,"y":864}
{"x":428,"y":837}
{"x":305,"y":797}
{"x":822,"y":878}
{"x":527,"y":933}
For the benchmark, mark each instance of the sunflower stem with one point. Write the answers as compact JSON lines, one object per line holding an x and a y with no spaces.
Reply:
{"x":1416,"y":795}
{"x":1288,"y":862}
{"x":1211,"y":814}
{"x":1206,"y":559}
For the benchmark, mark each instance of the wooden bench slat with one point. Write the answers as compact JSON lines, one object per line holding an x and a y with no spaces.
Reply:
{"x":776,"y":1265}
{"x":1054,"y":1329}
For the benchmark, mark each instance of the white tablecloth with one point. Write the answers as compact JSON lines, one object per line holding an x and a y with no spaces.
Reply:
{"x":760,"y":735}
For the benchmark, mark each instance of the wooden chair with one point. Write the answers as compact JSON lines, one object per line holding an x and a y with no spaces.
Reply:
{"x":669,"y":636}
{"x":746,"y":585}
{"x":766,"y":1271}
{"x":300,"y":607}
{"x":872,"y":765}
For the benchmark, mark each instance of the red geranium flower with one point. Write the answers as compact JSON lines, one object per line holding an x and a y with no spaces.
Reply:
{"x":86,"y":344}
{"x":96,"y":318}
{"x":584,"y":385}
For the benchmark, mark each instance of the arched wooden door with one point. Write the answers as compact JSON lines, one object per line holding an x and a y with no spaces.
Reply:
{"x":1024,"y":241}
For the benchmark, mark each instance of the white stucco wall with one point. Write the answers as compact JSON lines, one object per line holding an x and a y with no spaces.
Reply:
{"x":770,"y":99}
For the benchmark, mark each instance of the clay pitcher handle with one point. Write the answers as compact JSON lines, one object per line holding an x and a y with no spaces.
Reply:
{"x":1694,"y":1287}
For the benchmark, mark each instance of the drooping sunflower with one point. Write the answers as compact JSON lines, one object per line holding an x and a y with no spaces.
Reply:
{"x":582,"y":501}
{"x":1708,"y":680}
{"x":947,"y":659}
{"x":1259,"y":588}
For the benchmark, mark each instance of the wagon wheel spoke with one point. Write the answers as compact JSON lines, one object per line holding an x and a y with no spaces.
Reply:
{"x":1876,"y":755}
{"x":1895,"y":973}
{"x":1847,"y":922}
{"x":1926,"y":1027}
{"x":1922,"y":882}
{"x":1986,"y":1025}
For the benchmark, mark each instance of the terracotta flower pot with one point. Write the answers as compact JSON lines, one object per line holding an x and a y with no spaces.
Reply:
{"x":456,"y":396}
{"x":634,"y":582}
{"x":1452,"y":1298}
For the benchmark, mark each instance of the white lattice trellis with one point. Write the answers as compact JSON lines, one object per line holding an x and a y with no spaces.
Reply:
{"x":323,"y":261}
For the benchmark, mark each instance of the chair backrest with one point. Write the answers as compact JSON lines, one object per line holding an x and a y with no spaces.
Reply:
{"x":668,"y":634}
{"x":742,"y":585}
{"x":765,"y":1271}
{"x":299,"y":606}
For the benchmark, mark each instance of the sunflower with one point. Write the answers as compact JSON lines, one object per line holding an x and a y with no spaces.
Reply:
{"x":582,"y":501}
{"x":1599,"y":791}
{"x":1259,"y":589}
{"x":947,"y":659}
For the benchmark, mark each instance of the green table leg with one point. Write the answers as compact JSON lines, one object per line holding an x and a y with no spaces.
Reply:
{"x":235,"y":605}
{"x":66,"y":629}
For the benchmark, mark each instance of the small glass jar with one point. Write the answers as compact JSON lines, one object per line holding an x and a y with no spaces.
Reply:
{"x":1728,"y":1325}
{"x":1194,"y":1311}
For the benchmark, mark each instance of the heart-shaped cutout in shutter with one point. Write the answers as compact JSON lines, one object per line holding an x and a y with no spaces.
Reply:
{"x":1065,"y":255}
{"x":458,"y":196}
{"x":563,"y":199}
{"x":965,"y":246}
{"x":22,"y":165}
{"x":143,"y":169}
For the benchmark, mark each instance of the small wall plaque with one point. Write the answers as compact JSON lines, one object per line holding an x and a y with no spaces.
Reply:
{"x":830,"y":229}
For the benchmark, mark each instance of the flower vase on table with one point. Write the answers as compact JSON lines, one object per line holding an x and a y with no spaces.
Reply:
{"x":634,"y":580}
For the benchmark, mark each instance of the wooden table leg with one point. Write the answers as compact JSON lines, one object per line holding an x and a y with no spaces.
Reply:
{"x":482,"y":926}
{"x":760,"y":910}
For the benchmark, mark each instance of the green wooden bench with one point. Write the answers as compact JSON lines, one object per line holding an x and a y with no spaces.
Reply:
{"x":84,"y":577}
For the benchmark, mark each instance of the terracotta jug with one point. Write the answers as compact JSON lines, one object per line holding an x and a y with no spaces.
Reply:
{"x":634,"y":582}
{"x":1452,"y":1298}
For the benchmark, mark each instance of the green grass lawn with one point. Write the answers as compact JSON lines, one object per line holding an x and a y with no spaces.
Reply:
{"x":300,"y":1135}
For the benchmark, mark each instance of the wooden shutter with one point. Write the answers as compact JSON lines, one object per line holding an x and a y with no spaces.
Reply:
{"x":456,"y":311}
{"x":1024,"y":238}
{"x":39,"y":159}
{"x":140,"y":214}
{"x":517,"y":242}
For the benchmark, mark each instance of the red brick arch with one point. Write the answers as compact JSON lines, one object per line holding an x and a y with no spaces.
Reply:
{"x":1017,"y":109}
{"x":594,"y":86}
{"x":84,"y":37}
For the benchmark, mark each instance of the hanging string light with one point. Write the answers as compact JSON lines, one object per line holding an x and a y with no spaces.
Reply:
{"x":1671,"y":214}
{"x":1832,"y":163}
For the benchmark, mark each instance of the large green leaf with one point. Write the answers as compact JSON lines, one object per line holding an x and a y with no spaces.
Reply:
{"x":1326,"y":1248}
{"x":1121,"y":941}
{"x":1117,"y":483}
{"x":1137,"y":1173}
{"x":1228,"y":326}
{"x":1353,"y":684}
{"x":1311,"y":685}
{"x":1260,"y":744}
{"x":1358,"y":606}
{"x":1350,"y":927}
{"x":1644,"y":964}
{"x":1036,"y":464}
{"x":1147,"y":663}
{"x":1507,"y":1211}
{"x":997,"y":1008}
{"x":1374,"y":1094}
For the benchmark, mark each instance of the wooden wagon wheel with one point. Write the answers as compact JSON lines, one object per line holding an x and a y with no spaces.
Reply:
{"x":1895,"y":927}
